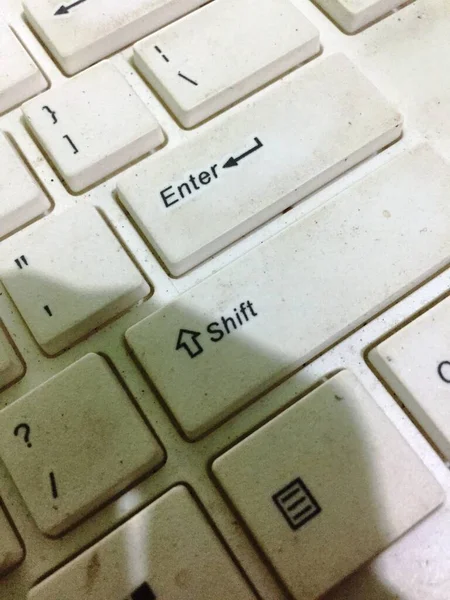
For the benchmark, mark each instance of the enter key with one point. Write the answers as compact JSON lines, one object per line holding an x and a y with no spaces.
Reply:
{"x":239,"y":332}
{"x":259,"y":158}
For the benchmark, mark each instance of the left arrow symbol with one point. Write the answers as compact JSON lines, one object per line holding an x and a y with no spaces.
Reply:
{"x":187,"y":339}
{"x":64,"y":10}
{"x":233,"y":161}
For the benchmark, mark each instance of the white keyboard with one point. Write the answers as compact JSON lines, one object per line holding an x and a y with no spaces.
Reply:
{"x":224,"y":296}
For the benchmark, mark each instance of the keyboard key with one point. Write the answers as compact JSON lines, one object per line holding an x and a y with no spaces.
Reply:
{"x":79,"y":33}
{"x":244,"y":328}
{"x":173,"y":553}
{"x":239,"y":45}
{"x":92,"y":125}
{"x":11,"y":552}
{"x":352,"y":15}
{"x":249,"y":165}
{"x":20,"y":78}
{"x":319,"y":489}
{"x":415,"y":362}
{"x":68,"y":276}
{"x":21,"y":199}
{"x":74,"y":442}
{"x":11,"y":367}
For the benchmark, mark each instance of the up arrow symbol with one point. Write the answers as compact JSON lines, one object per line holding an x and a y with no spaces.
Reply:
{"x":187,"y":339}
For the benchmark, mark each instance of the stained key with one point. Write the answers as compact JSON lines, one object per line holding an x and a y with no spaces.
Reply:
{"x":320,"y":478}
{"x":168,"y":551}
{"x":74,"y":442}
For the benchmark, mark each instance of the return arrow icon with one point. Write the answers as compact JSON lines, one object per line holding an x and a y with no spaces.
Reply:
{"x":234,"y":161}
{"x":64,"y":10}
{"x":187,"y":339}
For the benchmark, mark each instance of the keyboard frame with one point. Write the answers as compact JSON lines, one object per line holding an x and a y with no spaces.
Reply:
{"x":424,"y":551}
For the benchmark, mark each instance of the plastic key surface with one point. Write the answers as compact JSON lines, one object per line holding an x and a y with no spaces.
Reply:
{"x":11,"y":552}
{"x":352,"y":15}
{"x":256,"y":160}
{"x":237,"y":333}
{"x":74,"y":442}
{"x":215,"y":56}
{"x":68,"y":276}
{"x":166,"y":551}
{"x":21,"y":198}
{"x":92,"y":125}
{"x":415,"y":362}
{"x":20,"y":77}
{"x":79,"y":33}
{"x":319,"y":488}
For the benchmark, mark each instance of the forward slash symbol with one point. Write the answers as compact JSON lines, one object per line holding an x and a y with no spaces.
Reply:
{"x":53,"y":485}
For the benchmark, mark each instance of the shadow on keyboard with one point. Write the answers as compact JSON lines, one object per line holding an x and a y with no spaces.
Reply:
{"x":321,"y":488}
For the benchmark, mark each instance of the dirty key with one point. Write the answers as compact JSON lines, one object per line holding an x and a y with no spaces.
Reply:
{"x":229,"y":339}
{"x":255,"y":161}
{"x":74,"y":442}
{"x":319,"y":490}
{"x":168,"y":551}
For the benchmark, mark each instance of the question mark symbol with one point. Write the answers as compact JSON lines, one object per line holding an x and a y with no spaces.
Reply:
{"x":27,"y":430}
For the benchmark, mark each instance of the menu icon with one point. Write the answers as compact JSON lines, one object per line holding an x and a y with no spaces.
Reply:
{"x":296,"y":503}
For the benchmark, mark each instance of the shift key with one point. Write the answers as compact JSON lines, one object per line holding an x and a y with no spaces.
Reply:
{"x":251,"y":163}
{"x":223,"y":343}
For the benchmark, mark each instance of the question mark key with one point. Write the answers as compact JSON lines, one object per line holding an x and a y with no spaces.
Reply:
{"x":23,"y":430}
{"x":74,"y":442}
